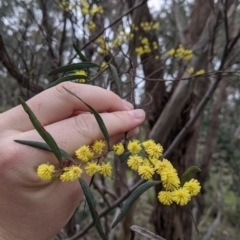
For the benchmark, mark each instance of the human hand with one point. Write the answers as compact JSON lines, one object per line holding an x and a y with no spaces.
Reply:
{"x":30,"y":207}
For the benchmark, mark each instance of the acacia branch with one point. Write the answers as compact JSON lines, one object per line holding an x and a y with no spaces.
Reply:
{"x":203,"y":102}
{"x":107,"y":210}
{"x":23,"y":80}
{"x":113,"y":23}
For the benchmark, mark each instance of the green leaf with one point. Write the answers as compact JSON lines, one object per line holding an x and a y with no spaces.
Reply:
{"x":97,"y":117}
{"x":42,"y":132}
{"x":116,"y":79}
{"x":132,"y":198}
{"x":188,"y":174}
{"x":72,"y":67}
{"x":67,"y":78}
{"x":92,"y":205}
{"x":81,"y":56}
{"x":123,"y":157}
{"x":44,"y":146}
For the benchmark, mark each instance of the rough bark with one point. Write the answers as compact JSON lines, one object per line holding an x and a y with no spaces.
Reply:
{"x":178,"y":226}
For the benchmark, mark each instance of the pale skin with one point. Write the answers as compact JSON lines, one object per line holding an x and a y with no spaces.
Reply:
{"x":35,"y":209}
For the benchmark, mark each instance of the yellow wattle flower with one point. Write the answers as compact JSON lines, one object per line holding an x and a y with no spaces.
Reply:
{"x":190,"y":70}
{"x":98,"y":146}
{"x":161,"y":165}
{"x":154,"y":150}
{"x":92,"y":168}
{"x":181,"y":196}
{"x":71,"y":173}
{"x":84,"y":153}
{"x":134,"y":146}
{"x":193,"y":186}
{"x":45,"y":171}
{"x":134,"y":162}
{"x":200,"y":72}
{"x":118,"y":148}
{"x":165,"y":197}
{"x":105,"y":169}
{"x":170,"y":179}
{"x":146,"y":172}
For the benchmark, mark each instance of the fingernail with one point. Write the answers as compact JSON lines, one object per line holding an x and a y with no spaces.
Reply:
{"x":137,"y":113}
{"x":127,"y":104}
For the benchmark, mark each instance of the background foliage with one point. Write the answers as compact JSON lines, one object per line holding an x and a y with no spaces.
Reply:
{"x":135,"y":37}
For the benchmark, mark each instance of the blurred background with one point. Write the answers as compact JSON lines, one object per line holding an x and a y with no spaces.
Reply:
{"x":179,"y":61}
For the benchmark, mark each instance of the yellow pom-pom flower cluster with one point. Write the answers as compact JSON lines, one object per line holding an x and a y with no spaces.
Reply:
{"x":121,"y":37}
{"x":118,"y":148}
{"x":45,"y":171}
{"x":103,"y":47}
{"x":91,"y":10}
{"x":81,"y":72}
{"x":88,"y":156}
{"x":71,"y":173}
{"x":198,"y":73}
{"x":181,"y":53}
{"x":146,"y":46}
{"x":144,"y":159}
{"x":66,"y":6}
{"x":148,"y":26}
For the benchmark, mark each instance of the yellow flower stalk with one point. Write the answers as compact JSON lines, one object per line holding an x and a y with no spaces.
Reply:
{"x":118,"y":148}
{"x":165,"y":197}
{"x":181,"y":196}
{"x":71,"y":173}
{"x":134,"y":146}
{"x":45,"y":171}
{"x":92,"y":168}
{"x":106,"y":169}
{"x":134,"y":162}
{"x":98,"y":146}
{"x":84,"y":153}
{"x":146,"y":172}
{"x":193,"y":187}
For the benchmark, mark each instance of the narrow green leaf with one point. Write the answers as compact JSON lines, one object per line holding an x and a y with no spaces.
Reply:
{"x":123,"y":157}
{"x":97,"y":117}
{"x":72,"y":67}
{"x":116,"y":79}
{"x":42,"y":132}
{"x":44,"y":146}
{"x":67,"y":78}
{"x":92,"y":205}
{"x":81,"y":56}
{"x":188,"y":174}
{"x":132,"y":198}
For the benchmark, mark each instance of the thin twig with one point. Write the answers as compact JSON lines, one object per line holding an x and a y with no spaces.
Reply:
{"x":107,"y":210}
{"x":113,"y":23}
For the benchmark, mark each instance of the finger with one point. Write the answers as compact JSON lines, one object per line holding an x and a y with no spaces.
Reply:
{"x":80,"y":130}
{"x":56,"y":104}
